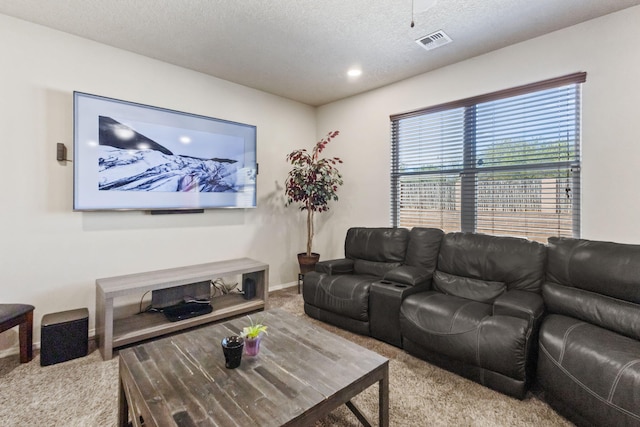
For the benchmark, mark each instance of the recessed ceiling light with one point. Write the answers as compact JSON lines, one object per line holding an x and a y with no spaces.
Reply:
{"x":354,"y":72}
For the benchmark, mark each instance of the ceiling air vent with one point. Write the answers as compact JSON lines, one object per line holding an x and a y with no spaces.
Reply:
{"x":434,"y":40}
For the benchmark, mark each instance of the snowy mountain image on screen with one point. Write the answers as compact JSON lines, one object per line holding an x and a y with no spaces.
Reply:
{"x":129,"y":161}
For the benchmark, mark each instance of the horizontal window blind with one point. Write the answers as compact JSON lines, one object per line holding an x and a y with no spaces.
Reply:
{"x":506,"y":163}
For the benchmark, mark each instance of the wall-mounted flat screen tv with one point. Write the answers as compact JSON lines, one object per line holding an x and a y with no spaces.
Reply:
{"x":130,"y":156}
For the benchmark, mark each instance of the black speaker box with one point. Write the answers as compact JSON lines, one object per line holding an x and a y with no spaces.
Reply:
{"x":64,"y":336}
{"x":249,"y":288}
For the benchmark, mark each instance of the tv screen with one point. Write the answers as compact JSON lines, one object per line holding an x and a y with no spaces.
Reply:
{"x":130,"y":156}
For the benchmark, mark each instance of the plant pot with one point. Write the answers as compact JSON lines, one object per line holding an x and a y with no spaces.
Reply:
{"x":307,"y":262}
{"x":232,"y":349}
{"x":252,"y":346}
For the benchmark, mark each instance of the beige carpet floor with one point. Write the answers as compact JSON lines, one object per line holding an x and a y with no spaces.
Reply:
{"x":83,"y":392}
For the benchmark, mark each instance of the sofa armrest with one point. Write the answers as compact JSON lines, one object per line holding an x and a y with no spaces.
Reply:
{"x":523,"y":304}
{"x":335,"y":266}
{"x":408,"y":275}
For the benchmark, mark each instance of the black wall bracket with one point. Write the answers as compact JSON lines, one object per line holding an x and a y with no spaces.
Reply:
{"x":61,"y":152}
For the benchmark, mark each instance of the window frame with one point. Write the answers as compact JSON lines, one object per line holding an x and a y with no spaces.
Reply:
{"x":468,"y":208}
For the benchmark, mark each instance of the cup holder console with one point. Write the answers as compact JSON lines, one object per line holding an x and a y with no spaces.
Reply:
{"x":385,"y":298}
{"x":397,"y":285}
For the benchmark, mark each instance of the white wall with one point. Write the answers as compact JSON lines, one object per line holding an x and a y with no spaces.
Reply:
{"x":51,"y":256}
{"x":606,"y":48}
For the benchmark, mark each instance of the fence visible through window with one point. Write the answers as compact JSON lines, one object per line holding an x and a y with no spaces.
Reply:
{"x":529,"y":205}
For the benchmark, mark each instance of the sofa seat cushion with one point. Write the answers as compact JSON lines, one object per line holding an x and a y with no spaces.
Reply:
{"x":593,"y":370}
{"x":465,"y":330}
{"x":347,"y":295}
{"x":443,"y":314}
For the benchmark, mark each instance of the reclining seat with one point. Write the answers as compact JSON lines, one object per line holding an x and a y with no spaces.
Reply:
{"x":589,"y":362}
{"x":481,"y":315}
{"x":337,"y":292}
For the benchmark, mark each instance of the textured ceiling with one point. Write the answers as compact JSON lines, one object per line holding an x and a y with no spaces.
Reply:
{"x":302,"y":49}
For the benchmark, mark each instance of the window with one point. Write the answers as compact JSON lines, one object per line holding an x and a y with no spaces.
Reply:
{"x":506,"y":163}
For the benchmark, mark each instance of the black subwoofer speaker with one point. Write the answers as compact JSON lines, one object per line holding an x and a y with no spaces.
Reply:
{"x":64,"y":336}
{"x":249,"y":288}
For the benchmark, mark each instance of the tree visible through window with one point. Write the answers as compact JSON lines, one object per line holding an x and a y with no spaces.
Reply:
{"x":506,"y":163}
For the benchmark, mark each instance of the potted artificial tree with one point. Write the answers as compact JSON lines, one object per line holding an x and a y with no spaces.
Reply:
{"x":312,"y":183}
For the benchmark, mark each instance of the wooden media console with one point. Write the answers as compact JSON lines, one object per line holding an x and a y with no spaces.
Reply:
{"x":113,"y":333}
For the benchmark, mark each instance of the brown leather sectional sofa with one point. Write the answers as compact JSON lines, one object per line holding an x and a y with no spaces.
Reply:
{"x":485,"y":306}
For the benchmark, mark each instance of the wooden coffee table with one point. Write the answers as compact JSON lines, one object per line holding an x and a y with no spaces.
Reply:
{"x":302,"y":373}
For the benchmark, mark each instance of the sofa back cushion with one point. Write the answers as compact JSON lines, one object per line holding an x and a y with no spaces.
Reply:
{"x":376,"y":250}
{"x":606,"y":268}
{"x":465,"y":287}
{"x":597,"y":282}
{"x":376,"y":244}
{"x":423,"y":247}
{"x":517,"y":263}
